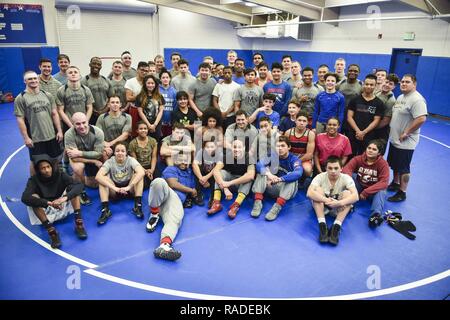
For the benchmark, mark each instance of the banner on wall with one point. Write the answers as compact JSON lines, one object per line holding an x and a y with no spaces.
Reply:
{"x":21,"y":23}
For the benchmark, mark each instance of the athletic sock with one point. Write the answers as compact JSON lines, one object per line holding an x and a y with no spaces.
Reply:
{"x":339,"y":223}
{"x":240,"y":198}
{"x":77,"y":214}
{"x":166,"y":240}
{"x":105,"y":205}
{"x":217,"y":194}
{"x":321,"y":220}
{"x":259,"y":196}
{"x":138,"y":201}
{"x":281,"y":201}
{"x":47,"y":224}
{"x":154,"y":210}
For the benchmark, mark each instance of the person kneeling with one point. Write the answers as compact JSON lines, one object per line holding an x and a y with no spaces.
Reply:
{"x":283,"y":183}
{"x":51,"y":195}
{"x":120,"y":176}
{"x":332,"y":192}
{"x":166,"y":197}
{"x":372,"y":178}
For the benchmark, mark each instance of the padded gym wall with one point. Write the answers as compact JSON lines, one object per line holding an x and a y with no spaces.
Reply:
{"x":15,"y":61}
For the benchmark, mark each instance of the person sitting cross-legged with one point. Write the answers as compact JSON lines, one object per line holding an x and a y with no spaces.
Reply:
{"x":332,"y":192}
{"x":51,"y":195}
{"x":278,"y":176}
{"x":235,"y":170}
{"x":372,"y":178}
{"x":120,"y":176}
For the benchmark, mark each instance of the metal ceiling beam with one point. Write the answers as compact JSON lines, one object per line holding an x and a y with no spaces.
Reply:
{"x":205,"y":9}
{"x":418,"y":4}
{"x":297,"y":10}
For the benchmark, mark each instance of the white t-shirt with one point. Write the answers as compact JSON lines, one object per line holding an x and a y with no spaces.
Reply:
{"x":344,"y":182}
{"x":225,"y":92}
{"x":407,"y":108}
{"x":133,"y":85}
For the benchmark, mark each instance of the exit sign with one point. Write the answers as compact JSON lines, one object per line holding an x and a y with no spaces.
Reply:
{"x":409,"y":36}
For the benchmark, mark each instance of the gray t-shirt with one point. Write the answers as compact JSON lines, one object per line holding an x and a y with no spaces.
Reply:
{"x":74,"y":100}
{"x":114,"y":126}
{"x":286,"y":76}
{"x":311,"y":92}
{"x":202,"y":93}
{"x":62,"y":78}
{"x":121,"y":173}
{"x":349,"y":90}
{"x":36,"y":109}
{"x":248,"y":135}
{"x":407,"y":108}
{"x":183,"y":84}
{"x":388,"y":100}
{"x":51,"y":85}
{"x":344,"y":182}
{"x":101,"y":89}
{"x":119,"y":89}
{"x":91,"y":144}
{"x":250,"y":98}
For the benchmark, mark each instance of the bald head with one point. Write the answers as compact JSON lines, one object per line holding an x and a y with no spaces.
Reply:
{"x":80,"y":123}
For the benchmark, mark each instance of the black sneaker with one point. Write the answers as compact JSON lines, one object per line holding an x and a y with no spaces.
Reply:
{"x":84,"y":199}
{"x":79,"y":229}
{"x":399,"y":196}
{"x":375,"y":220}
{"x":393,"y":186}
{"x":137,"y":211}
{"x":323,"y":236}
{"x":106,"y":213}
{"x":167,"y":252}
{"x":198,"y":200}
{"x":152,"y":222}
{"x":187,"y":203}
{"x":334,"y":234}
{"x":54,"y":237}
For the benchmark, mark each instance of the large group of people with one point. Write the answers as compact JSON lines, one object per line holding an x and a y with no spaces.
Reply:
{"x":228,"y":130}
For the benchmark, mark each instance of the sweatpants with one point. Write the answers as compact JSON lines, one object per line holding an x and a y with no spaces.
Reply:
{"x":170,"y":207}
{"x":242,"y":188}
{"x":377,"y":199}
{"x":282,"y":189}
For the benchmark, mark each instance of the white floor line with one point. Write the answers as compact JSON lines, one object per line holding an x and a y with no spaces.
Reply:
{"x":185,"y":294}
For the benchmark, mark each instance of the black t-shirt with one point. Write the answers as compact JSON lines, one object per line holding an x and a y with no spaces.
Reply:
{"x":186,"y":119}
{"x":235,"y":166}
{"x":365,"y":111}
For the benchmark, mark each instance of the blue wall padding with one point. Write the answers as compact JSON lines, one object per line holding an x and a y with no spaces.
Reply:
{"x":433,"y":74}
{"x":52,"y":54}
{"x":15,"y":61}
{"x":13,"y":68}
{"x":31,"y":57}
{"x":433,"y":80}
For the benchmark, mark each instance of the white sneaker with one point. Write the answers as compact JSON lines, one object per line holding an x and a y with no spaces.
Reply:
{"x":167,"y":252}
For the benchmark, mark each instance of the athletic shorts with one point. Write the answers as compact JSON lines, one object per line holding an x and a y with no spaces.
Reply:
{"x":399,"y":159}
{"x":51,"y":148}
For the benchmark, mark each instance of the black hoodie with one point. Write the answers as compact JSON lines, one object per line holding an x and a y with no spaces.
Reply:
{"x":49,"y":189}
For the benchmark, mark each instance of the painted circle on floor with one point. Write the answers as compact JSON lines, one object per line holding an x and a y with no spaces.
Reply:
{"x":101,"y":270}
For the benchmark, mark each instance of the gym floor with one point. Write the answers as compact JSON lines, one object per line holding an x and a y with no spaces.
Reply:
{"x":230,"y":259}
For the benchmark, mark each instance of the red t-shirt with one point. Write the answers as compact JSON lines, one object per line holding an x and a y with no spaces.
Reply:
{"x":338,"y":146}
